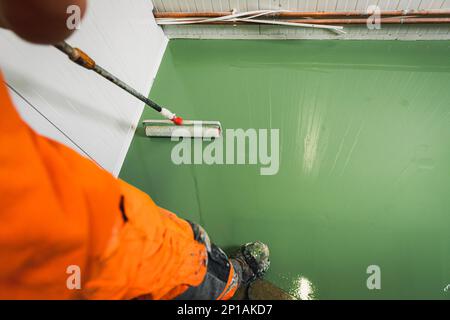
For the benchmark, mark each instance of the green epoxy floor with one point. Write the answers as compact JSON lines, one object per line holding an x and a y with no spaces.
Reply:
{"x":364,"y":174}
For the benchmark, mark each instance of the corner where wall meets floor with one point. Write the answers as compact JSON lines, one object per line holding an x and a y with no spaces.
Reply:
{"x":364,"y":130}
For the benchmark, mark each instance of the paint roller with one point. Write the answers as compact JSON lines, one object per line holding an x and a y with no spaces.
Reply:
{"x":174,"y":126}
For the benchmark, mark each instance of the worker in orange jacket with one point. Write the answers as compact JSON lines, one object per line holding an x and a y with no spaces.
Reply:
{"x":70,"y":230}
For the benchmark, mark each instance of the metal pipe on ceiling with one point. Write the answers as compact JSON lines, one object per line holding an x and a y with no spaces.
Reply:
{"x":275,"y":17}
{"x":397,"y":20}
{"x":292,"y":14}
{"x":344,"y":21}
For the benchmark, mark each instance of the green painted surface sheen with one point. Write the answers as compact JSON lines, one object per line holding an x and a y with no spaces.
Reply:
{"x":364,"y":173}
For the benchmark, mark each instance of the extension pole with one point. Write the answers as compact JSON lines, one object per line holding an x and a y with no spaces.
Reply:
{"x":82,"y":59}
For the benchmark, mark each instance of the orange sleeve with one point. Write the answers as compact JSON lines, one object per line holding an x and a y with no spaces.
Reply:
{"x":60,"y":209}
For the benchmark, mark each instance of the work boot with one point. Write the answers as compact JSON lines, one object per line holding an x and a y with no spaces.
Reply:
{"x":251,"y":261}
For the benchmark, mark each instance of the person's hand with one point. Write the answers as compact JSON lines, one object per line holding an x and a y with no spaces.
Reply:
{"x":38,"y":21}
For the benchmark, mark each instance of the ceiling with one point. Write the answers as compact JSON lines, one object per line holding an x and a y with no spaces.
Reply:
{"x":387,"y":32}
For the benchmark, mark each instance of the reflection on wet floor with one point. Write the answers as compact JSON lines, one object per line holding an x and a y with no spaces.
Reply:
{"x":303,"y":289}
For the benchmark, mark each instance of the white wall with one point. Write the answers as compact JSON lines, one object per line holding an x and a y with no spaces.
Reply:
{"x":76,"y":106}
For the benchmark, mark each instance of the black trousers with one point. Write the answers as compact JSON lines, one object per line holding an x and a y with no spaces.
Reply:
{"x":216,"y":283}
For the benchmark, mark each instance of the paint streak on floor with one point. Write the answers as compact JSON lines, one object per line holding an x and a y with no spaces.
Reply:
{"x":364,"y":159}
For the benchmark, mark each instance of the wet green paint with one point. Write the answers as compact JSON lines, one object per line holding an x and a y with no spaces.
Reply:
{"x":364,"y":174}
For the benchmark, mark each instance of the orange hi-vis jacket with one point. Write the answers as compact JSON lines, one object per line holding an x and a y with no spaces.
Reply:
{"x":63,"y":218}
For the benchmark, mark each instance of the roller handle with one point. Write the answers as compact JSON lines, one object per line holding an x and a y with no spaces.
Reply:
{"x":76,"y":55}
{"x":81,"y":58}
